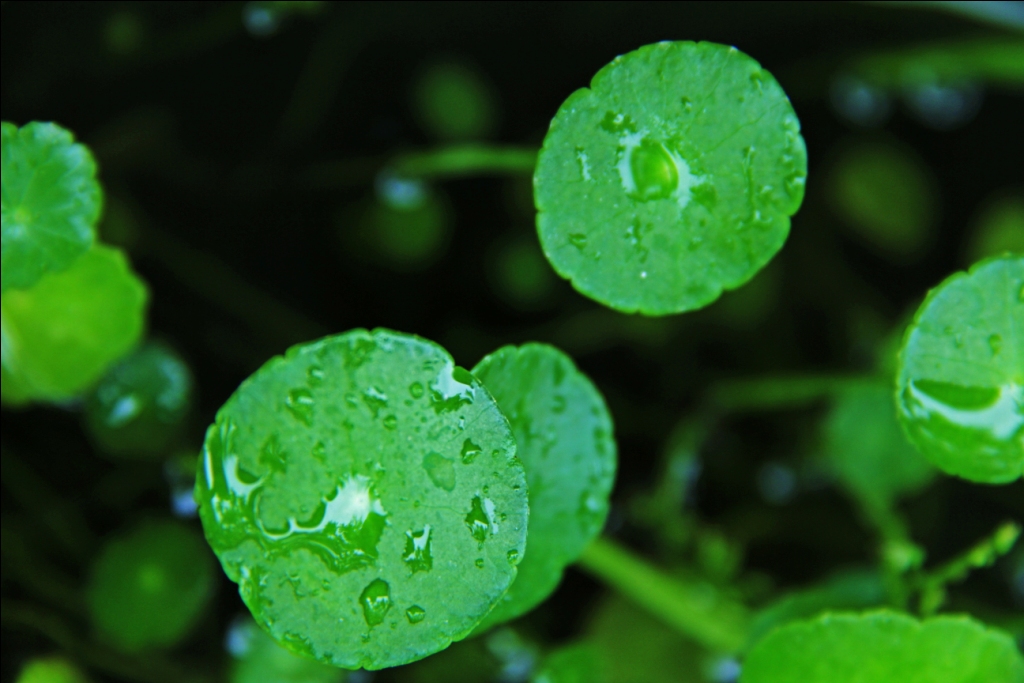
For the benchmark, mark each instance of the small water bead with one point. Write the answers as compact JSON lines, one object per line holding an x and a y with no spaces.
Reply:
{"x":376,"y":601}
{"x":513,"y":556}
{"x":375,"y":399}
{"x":578,"y":240}
{"x":416,"y":390}
{"x":415,"y":614}
{"x":469,"y":451}
{"x":479,"y":563}
{"x":995,"y":342}
{"x":417,"y":555}
{"x":390,"y":422}
{"x":478,"y":521}
{"x":315,"y":376}
{"x":300,"y":404}
{"x":440,"y":469}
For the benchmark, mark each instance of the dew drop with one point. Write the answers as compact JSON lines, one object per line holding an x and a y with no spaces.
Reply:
{"x":375,"y":399}
{"x":687,"y":105}
{"x":390,"y":422}
{"x":558,"y":404}
{"x":415,"y":614}
{"x":376,"y":601}
{"x":416,"y":390}
{"x":469,"y":451}
{"x":478,"y":521}
{"x":578,"y":240}
{"x":300,"y":404}
{"x":417,"y":555}
{"x":315,"y":376}
{"x":643,"y":275}
{"x":440,"y":469}
{"x":654,"y":172}
{"x":479,"y":563}
{"x":513,"y":557}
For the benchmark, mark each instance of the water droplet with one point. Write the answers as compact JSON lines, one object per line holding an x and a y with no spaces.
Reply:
{"x":441,"y":470}
{"x":617,"y":123}
{"x":320,"y":451}
{"x":695,"y":243}
{"x":757,"y":80}
{"x":480,"y":519}
{"x":452,"y":389}
{"x":687,"y":105}
{"x":376,"y":601}
{"x":315,"y":376}
{"x":300,"y":404}
{"x":415,"y":614}
{"x":417,"y":555}
{"x":995,"y":342}
{"x":643,"y":275}
{"x":375,"y":399}
{"x":513,"y":557}
{"x":578,"y":240}
{"x":996,"y":410}
{"x":390,"y":422}
{"x":558,"y":404}
{"x":652,"y":171}
{"x":469,"y":451}
{"x":416,"y":390}
{"x":272,"y":455}
{"x":479,"y":563}
{"x":584,"y":162}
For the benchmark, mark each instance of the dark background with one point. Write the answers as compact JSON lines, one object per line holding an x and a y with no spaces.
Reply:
{"x":214,"y":139}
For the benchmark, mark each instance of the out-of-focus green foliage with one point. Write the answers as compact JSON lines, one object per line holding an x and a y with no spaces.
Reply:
{"x":259,"y":659}
{"x":999,"y":229}
{"x":61,"y":336}
{"x":883,"y":647}
{"x":582,"y":662}
{"x":148,"y":588}
{"x":404,"y":233}
{"x":137,"y":408}
{"x":454,"y":102}
{"x":50,"y":670}
{"x":564,"y":438}
{"x":885,"y":195}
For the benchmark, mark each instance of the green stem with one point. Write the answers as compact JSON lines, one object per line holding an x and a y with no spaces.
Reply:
{"x":466,"y":160}
{"x":695,"y":609}
{"x":783,"y":392}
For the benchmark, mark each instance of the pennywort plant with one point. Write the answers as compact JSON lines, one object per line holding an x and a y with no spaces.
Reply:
{"x":375,"y":502}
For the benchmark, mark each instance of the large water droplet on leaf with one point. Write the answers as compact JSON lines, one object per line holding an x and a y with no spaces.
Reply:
{"x":376,"y":601}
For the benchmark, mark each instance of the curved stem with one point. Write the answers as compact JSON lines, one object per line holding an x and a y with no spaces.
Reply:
{"x":695,"y":609}
{"x":466,"y":160}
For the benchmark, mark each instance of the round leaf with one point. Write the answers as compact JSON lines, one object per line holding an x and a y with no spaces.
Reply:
{"x":883,"y":647}
{"x":564,"y":436}
{"x":141,"y":402}
{"x":259,"y":659}
{"x":335,"y":489}
{"x":960,"y":385}
{"x":51,"y":201}
{"x":60,"y":336}
{"x":149,"y":587}
{"x":50,"y":670}
{"x":670,"y":179}
{"x":868,"y":450}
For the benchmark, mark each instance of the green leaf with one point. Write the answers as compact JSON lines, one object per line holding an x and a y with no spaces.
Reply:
{"x":867,"y":448}
{"x":336,"y":489}
{"x":884,"y":647}
{"x":51,"y":202}
{"x":60,"y":336}
{"x":670,"y":179}
{"x":149,"y":587}
{"x":849,"y":590}
{"x":960,"y":385}
{"x":138,"y":406}
{"x":564,"y":436}
{"x":886,"y":196}
{"x":581,"y":662}
{"x":259,"y":659}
